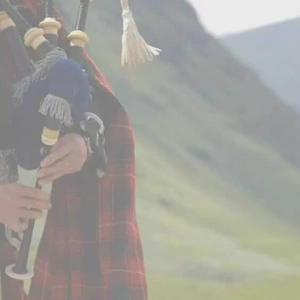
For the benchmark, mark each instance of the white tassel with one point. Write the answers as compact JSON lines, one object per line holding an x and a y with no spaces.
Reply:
{"x":58,"y":108}
{"x":42,"y":68}
{"x":135,"y":50}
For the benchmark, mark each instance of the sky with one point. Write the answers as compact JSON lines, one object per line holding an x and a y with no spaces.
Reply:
{"x":228,"y":16}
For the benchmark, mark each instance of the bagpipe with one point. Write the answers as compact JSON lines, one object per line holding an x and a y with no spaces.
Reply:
{"x":51,"y":93}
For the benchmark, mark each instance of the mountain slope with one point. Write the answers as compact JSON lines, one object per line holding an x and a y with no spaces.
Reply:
{"x":273,"y":52}
{"x":218,"y":154}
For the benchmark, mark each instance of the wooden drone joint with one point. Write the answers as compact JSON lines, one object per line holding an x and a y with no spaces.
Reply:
{"x":34,"y":37}
{"x":5,"y":21}
{"x":49,"y":136}
{"x":78,"y":38}
{"x":50,"y":26}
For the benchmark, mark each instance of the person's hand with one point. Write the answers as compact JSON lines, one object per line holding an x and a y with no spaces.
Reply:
{"x":19,"y":203}
{"x":66,"y":157}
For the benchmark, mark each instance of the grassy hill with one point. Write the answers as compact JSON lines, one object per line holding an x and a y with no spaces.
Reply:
{"x":273,"y":52}
{"x":218,"y":157}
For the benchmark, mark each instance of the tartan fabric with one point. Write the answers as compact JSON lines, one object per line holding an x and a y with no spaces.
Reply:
{"x":91,"y":247}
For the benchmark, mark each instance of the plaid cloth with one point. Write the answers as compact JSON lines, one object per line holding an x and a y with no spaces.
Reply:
{"x":91,"y":247}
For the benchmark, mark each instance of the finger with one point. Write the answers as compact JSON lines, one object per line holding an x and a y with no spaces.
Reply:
{"x":35,"y":204}
{"x":18,"y":227}
{"x":58,"y":169}
{"x":33,"y":193}
{"x":59,"y":144}
{"x":48,"y":171}
{"x":49,"y":179}
{"x":23,"y":225}
{"x":56,"y":155}
{"x":29,"y":213}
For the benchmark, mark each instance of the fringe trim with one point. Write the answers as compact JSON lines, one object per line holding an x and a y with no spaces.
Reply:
{"x":135,"y":50}
{"x":42,"y":68}
{"x":57,"y":108}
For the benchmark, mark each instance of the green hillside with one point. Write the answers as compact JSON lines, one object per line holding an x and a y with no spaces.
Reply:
{"x":273,"y":52}
{"x":217,"y":153}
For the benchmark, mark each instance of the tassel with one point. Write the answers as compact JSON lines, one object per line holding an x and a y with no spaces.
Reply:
{"x":57,"y":108}
{"x":135,"y":50}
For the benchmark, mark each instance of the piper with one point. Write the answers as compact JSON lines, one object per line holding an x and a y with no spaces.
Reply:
{"x":91,"y":247}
